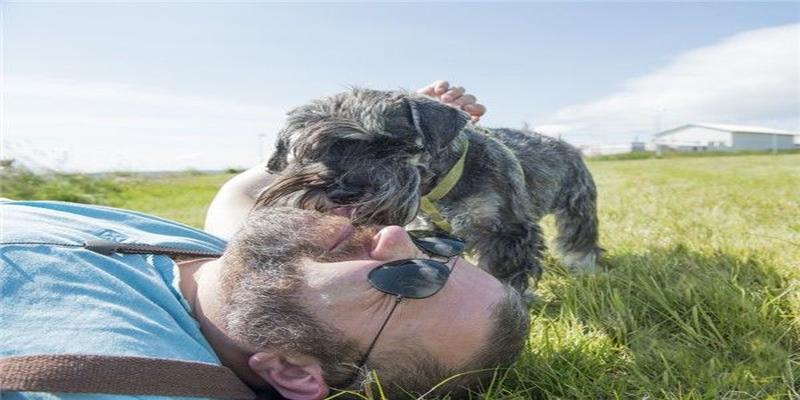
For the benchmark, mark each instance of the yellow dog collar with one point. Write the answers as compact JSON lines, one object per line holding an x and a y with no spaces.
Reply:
{"x":428,"y":202}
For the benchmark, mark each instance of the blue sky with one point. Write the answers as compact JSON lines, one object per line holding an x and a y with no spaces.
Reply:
{"x":172,"y":86}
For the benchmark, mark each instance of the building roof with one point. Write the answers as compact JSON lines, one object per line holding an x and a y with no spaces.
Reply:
{"x":732,"y":128}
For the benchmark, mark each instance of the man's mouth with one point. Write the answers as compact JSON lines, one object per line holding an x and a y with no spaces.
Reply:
{"x":346,"y":212}
{"x":342,"y":235}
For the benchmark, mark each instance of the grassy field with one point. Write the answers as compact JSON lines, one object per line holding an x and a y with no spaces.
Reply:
{"x":702,"y":294}
{"x":181,"y":197}
{"x":700,"y":298}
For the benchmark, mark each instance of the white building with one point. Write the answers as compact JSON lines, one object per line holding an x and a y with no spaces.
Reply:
{"x":609,"y":149}
{"x":719,"y":137}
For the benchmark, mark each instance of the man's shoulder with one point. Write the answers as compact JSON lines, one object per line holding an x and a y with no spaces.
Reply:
{"x":31,"y":219}
{"x":59,"y":298}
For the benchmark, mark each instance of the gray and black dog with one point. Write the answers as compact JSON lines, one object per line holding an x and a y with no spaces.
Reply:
{"x":372,"y":155}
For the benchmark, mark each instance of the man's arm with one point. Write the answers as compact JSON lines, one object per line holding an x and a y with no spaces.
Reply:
{"x":234,"y":201}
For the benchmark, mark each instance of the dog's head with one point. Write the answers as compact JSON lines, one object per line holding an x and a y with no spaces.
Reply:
{"x":364,"y":153}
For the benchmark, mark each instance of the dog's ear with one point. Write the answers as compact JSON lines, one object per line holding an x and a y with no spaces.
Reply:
{"x":438,"y":124}
{"x":279,"y":159}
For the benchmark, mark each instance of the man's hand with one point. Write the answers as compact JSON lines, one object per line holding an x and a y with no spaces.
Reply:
{"x":455,"y":96}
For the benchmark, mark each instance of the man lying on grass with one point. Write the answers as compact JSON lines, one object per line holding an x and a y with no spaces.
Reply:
{"x":299,"y":302}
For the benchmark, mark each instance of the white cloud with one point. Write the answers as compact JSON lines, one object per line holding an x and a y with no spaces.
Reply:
{"x":751,"y":78}
{"x":98,"y":126}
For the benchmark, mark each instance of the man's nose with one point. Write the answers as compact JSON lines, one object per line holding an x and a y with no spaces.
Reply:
{"x":393,"y":243}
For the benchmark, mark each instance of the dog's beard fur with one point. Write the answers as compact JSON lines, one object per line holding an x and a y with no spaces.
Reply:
{"x":392,"y":197}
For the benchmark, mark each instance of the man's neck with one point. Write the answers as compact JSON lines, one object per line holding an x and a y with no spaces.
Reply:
{"x":199,"y":284}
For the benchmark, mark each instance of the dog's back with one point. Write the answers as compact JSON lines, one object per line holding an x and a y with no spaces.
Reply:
{"x":549,"y":164}
{"x":560,"y":183}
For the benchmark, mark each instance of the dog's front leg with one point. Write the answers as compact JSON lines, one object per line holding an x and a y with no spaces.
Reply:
{"x":513,"y":254}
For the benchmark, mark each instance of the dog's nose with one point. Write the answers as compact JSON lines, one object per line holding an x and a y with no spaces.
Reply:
{"x":343,"y":196}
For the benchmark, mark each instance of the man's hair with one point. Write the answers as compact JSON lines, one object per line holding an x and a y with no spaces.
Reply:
{"x":262,"y":286}
{"x":408,"y":371}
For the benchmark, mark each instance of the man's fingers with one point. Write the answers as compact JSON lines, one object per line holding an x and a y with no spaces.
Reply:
{"x":435,"y":89}
{"x":475,"y":110}
{"x":465,"y":100}
{"x":441,"y":87}
{"x":427,"y":91}
{"x":453,"y":94}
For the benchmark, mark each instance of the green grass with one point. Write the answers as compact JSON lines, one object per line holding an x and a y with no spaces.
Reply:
{"x":700,"y":298}
{"x":182,"y":196}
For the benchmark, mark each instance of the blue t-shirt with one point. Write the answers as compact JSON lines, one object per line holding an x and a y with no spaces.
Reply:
{"x":56,"y":299}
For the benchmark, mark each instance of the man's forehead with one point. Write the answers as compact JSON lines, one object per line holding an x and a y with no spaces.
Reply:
{"x":460,"y":321}
{"x":475,"y":275}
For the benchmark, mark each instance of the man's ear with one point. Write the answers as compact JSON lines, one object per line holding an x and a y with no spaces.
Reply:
{"x":279,"y":159}
{"x":295,"y":378}
{"x":438,"y":124}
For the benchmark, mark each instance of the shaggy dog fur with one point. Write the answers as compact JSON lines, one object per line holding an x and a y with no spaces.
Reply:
{"x":372,"y":154}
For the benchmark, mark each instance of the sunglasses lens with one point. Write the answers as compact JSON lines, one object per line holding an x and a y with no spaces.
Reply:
{"x":437,"y":243}
{"x":415,"y":279}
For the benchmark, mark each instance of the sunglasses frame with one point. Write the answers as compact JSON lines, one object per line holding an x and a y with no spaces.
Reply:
{"x":415,"y":236}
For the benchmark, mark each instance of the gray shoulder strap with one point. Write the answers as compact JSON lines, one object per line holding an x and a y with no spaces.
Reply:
{"x":108,"y":247}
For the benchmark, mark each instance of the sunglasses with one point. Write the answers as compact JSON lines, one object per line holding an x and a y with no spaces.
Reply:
{"x":416,"y":278}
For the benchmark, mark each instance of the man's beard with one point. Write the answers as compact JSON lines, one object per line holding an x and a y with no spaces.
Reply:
{"x":308,"y":234}
{"x":263,"y":285}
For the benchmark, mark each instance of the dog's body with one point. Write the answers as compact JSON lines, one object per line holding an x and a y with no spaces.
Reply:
{"x":375,"y":154}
